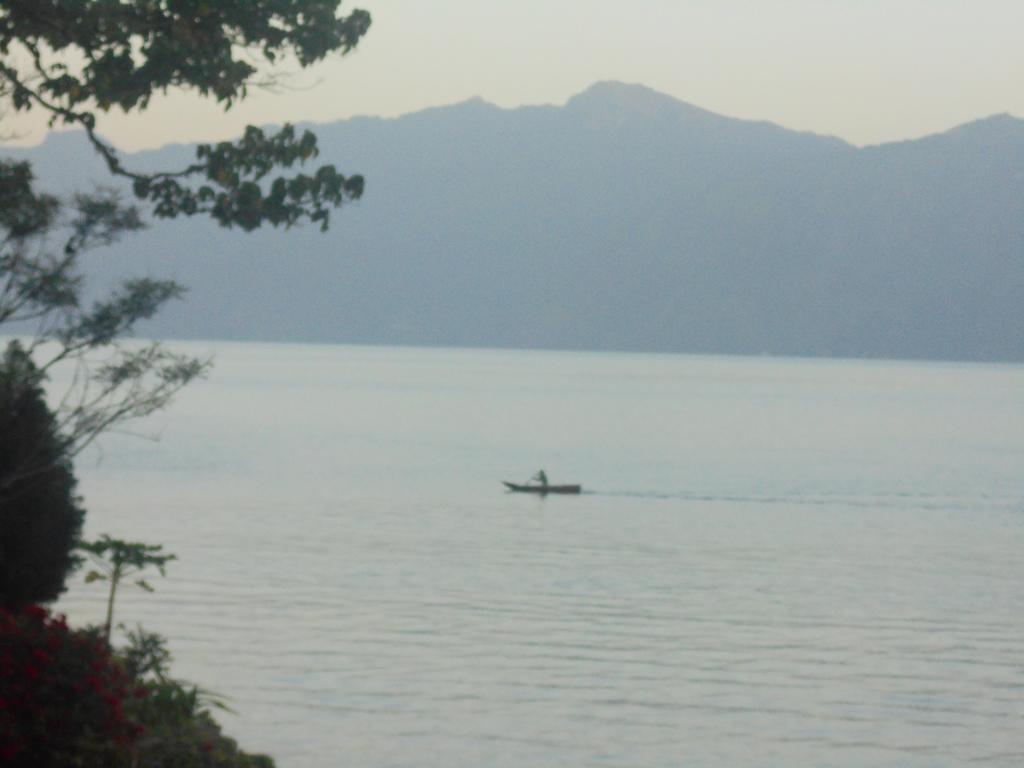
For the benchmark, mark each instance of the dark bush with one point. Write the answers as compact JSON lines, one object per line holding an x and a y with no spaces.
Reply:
{"x":62,"y":695}
{"x":40,"y":518}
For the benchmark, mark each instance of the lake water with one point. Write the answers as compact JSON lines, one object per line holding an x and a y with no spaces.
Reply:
{"x":775,"y":562}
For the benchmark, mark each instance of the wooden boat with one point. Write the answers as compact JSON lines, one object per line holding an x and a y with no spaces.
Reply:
{"x":543,"y":490}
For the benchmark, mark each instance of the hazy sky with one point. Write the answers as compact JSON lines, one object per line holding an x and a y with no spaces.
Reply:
{"x":865,"y":70}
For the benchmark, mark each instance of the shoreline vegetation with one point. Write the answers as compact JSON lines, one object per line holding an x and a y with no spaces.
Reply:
{"x":68,"y":697}
{"x":71,"y":698}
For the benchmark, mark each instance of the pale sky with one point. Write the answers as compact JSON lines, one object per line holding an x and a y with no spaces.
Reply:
{"x":868,"y":71}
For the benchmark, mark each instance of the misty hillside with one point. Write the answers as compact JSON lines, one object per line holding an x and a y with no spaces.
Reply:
{"x":625,"y":220}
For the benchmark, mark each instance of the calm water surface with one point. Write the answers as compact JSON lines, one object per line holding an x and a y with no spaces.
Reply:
{"x":777,"y":563}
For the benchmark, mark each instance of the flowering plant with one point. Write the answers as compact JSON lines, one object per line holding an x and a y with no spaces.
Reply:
{"x":62,"y":695}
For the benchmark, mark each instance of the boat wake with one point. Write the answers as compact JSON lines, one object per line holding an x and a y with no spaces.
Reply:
{"x":873,"y":501}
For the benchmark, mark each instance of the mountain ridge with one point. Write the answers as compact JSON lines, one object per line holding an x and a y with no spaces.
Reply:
{"x":568,"y":227}
{"x":599,"y":87}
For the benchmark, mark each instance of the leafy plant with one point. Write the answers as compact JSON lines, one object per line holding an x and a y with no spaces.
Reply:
{"x":62,"y":695}
{"x":116,"y":560}
{"x":179,"y":730}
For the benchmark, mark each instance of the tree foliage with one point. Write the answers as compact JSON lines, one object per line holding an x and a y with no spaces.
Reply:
{"x":75,"y":60}
{"x":40,"y":516}
{"x":78,"y":59}
{"x":42,"y":295}
{"x":64,"y":700}
{"x":111,"y":380}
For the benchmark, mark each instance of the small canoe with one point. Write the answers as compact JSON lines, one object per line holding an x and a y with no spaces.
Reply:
{"x":543,"y":490}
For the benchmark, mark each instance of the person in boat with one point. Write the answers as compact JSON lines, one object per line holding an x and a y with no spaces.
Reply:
{"x":542,"y":478}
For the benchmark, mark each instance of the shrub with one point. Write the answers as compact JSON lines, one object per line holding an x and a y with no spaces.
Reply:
{"x":179,"y":728}
{"x":40,"y":518}
{"x":62,"y":695}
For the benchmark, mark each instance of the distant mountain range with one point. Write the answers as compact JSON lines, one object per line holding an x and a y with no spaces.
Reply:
{"x":624,"y":220}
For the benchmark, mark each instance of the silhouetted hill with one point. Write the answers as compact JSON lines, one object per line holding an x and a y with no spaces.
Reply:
{"x":624,"y":220}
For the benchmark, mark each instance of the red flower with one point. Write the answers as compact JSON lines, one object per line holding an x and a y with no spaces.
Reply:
{"x":56,"y":684}
{"x":35,"y":612}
